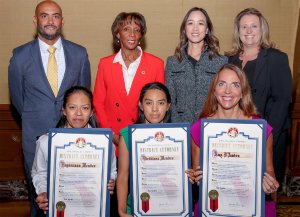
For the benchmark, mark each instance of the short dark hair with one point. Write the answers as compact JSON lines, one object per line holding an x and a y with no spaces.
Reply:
{"x":136,"y":17}
{"x":154,"y":86}
{"x":77,"y":89}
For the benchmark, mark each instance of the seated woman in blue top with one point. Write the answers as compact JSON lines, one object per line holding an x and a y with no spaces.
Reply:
{"x":229,"y":97}
{"x":77,"y":112}
{"x":154,"y":107}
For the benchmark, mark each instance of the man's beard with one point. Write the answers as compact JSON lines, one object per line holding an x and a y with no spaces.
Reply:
{"x":47,"y":36}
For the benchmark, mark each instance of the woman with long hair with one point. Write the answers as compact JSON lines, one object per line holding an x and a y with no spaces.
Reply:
{"x":154,"y":107}
{"x":229,"y":97}
{"x":190,"y":70}
{"x":77,"y":112}
{"x":269,"y":76}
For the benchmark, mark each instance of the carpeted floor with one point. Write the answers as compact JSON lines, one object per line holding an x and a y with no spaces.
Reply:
{"x":288,"y":203}
{"x":288,"y":209}
{"x":11,"y":190}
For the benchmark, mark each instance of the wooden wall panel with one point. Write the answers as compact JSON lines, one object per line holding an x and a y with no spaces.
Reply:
{"x":11,"y":157}
{"x":294,"y":154}
{"x":295,"y":148}
{"x":15,"y":208}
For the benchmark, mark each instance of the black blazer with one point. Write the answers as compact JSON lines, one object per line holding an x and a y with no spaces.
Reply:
{"x":272,"y":88}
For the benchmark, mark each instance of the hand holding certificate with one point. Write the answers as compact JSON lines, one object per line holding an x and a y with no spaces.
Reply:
{"x":79,"y":170}
{"x":159,"y":157}
{"x":232,"y":143}
{"x":232,"y":158}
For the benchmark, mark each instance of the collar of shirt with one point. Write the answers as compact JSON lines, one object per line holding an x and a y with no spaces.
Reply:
{"x":119,"y":59}
{"x":128,"y":73}
{"x":59,"y":55}
{"x":44,"y":46}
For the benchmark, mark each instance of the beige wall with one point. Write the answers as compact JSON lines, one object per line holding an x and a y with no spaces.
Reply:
{"x":88,"y":22}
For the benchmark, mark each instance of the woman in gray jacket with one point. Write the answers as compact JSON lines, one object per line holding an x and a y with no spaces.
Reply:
{"x":191,"y":69}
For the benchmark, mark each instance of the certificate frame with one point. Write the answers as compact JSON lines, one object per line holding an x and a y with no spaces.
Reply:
{"x":145,"y":203}
{"x":219,"y":139}
{"x":79,"y":167}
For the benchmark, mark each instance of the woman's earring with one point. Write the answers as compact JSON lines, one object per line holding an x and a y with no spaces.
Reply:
{"x":118,"y":41}
{"x":139,"y":43}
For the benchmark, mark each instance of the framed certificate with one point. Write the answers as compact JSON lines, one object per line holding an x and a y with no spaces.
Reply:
{"x":233,"y":163}
{"x":159,"y":156}
{"x":78,"y":172}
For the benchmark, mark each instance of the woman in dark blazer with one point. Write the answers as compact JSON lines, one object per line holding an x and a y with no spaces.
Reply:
{"x":269,"y":76}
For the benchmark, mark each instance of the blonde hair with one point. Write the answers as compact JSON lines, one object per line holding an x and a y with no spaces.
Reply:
{"x":237,"y":45}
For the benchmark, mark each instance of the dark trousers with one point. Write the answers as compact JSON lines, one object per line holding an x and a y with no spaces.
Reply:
{"x":35,"y":211}
{"x":279,"y":148}
{"x":114,"y":204}
{"x":114,"y":200}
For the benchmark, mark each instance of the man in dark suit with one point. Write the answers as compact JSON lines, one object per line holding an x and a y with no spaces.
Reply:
{"x":36,"y":98}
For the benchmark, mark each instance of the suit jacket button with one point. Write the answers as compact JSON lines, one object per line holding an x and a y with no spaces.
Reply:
{"x":117,"y":104}
{"x":119,"y":119}
{"x":132,"y":119}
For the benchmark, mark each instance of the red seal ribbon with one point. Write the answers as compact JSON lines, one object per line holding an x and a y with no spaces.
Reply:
{"x":213,"y":200}
{"x":60,"y":209}
{"x":145,"y":199}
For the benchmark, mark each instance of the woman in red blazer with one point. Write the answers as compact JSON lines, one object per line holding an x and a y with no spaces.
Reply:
{"x":121,"y":76}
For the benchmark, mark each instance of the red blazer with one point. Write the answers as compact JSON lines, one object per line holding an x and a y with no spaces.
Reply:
{"x":113,"y":107}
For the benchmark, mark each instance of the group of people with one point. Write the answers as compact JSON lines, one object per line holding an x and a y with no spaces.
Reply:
{"x":251,"y":81}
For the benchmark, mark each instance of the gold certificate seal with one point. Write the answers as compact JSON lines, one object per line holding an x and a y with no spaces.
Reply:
{"x":145,"y":196}
{"x":213,"y":195}
{"x":60,"y":206}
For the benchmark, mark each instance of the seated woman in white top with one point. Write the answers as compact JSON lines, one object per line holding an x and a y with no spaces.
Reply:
{"x":77,"y":112}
